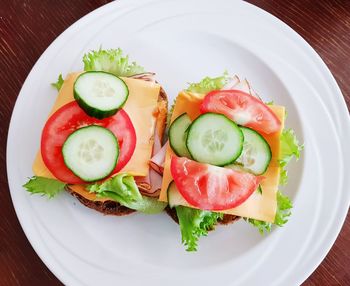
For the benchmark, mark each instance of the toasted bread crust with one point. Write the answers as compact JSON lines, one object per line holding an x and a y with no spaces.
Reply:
{"x":105,"y":207}
{"x":162,"y":95}
{"x":111,"y":207}
{"x":227,"y":219}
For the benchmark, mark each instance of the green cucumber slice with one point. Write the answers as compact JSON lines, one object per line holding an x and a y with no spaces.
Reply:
{"x":178,"y":134}
{"x":214,"y":139}
{"x":91,"y":152}
{"x":174,"y":196}
{"x":256,"y":154}
{"x":100,"y":94}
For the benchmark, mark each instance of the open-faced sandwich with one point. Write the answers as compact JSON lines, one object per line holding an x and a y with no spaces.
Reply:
{"x":226,"y":159}
{"x":105,"y":126}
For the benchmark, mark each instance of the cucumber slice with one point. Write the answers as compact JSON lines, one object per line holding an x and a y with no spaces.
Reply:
{"x":236,"y":167}
{"x":214,"y":139}
{"x":100,"y":94}
{"x":178,"y":134}
{"x":91,"y":152}
{"x":174,"y":196}
{"x":256,"y":154}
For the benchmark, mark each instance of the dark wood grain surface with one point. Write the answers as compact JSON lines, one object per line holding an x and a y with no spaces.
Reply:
{"x":28,"y":27}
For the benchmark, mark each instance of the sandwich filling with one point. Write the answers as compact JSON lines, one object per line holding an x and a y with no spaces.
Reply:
{"x":225,"y":157}
{"x":258,"y":206}
{"x":144,"y":111}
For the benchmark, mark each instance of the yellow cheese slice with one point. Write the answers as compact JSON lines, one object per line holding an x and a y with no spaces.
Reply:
{"x":161,"y":115}
{"x":141,"y":106}
{"x":258,"y":206}
{"x":80,"y":189}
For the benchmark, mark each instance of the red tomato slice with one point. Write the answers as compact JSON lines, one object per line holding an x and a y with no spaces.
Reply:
{"x":69,"y":118}
{"x":243,"y":109}
{"x":210,"y":187}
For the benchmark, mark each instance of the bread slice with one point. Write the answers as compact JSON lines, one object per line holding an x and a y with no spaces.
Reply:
{"x":106,"y":207}
{"x":110,"y":207}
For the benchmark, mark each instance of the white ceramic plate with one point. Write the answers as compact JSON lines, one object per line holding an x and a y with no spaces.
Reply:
{"x":184,"y":41}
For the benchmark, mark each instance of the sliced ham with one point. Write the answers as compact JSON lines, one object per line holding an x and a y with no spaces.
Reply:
{"x":158,"y":153}
{"x":144,"y":184}
{"x":242,"y":85}
{"x":147,"y":76}
{"x":157,"y":145}
{"x":151,"y":184}
{"x":157,"y":161}
{"x":252,"y":91}
{"x":156,"y":183}
{"x":231,"y":83}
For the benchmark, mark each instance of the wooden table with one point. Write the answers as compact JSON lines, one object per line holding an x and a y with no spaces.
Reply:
{"x":28,"y":27}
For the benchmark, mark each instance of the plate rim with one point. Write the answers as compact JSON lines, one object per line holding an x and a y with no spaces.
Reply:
{"x":103,"y":8}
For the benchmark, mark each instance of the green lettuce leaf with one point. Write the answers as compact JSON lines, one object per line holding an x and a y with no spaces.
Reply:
{"x":148,"y":205}
{"x":284,"y":206}
{"x":44,"y":186}
{"x":290,"y":147}
{"x":123,"y":189}
{"x":262,"y":226}
{"x":206,"y":85}
{"x":58,"y":84}
{"x":283,"y":177}
{"x":194,"y":224}
{"x":112,"y":61}
{"x":209,"y":84}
